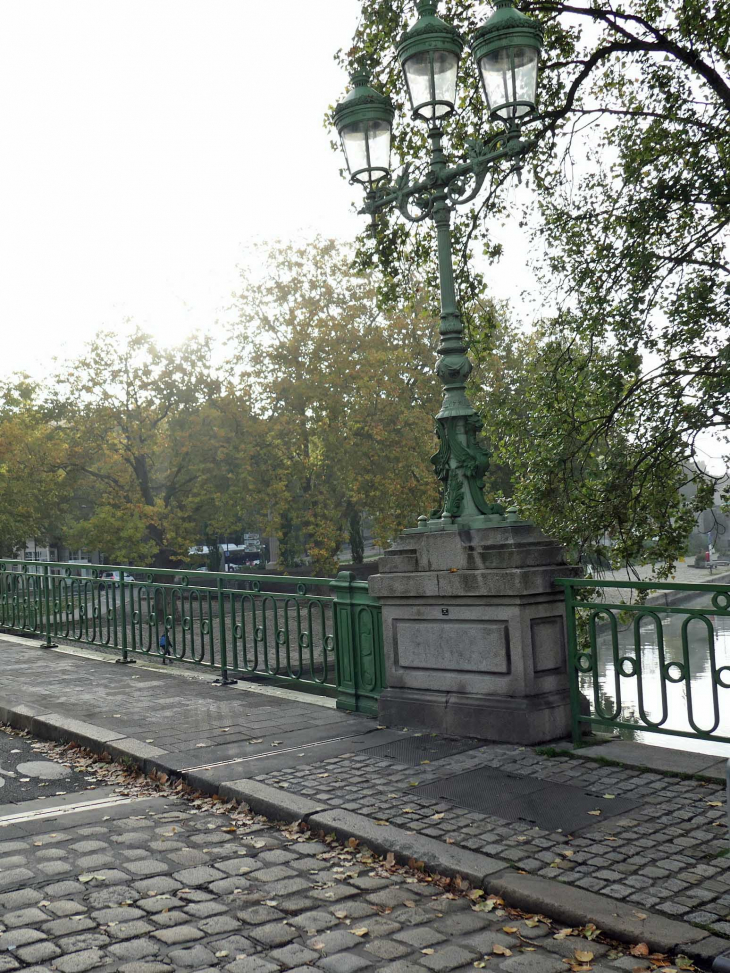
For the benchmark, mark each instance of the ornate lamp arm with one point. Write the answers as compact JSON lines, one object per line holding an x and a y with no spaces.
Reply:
{"x":400,"y":193}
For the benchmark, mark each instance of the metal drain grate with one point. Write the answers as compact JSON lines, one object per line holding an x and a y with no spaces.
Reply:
{"x":413,"y":750}
{"x":550,"y":806}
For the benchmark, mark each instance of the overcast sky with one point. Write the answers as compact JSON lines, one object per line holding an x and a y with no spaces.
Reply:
{"x":144,"y":142}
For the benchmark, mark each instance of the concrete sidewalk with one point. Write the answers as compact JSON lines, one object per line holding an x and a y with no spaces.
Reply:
{"x":634,"y":851}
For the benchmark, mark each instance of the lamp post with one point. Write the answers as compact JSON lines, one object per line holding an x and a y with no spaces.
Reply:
{"x":506,"y":50}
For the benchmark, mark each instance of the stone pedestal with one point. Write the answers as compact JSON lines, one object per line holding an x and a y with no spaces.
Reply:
{"x":474,"y":634}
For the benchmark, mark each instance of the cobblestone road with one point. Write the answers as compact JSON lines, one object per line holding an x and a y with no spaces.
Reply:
{"x":157,"y":884}
{"x":663,"y":856}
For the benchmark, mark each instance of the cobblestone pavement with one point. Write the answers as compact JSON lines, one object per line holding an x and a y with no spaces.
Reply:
{"x":158,"y":884}
{"x":662,"y":856}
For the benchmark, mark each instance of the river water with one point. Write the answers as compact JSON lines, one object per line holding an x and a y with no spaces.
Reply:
{"x":699,"y":694}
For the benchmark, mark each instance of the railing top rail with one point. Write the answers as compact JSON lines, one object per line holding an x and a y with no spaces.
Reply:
{"x":700,"y":587}
{"x":169,"y":572}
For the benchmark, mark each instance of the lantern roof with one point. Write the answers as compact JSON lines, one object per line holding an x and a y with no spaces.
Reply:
{"x":507,"y":27}
{"x":429,"y":33}
{"x":363,"y":103}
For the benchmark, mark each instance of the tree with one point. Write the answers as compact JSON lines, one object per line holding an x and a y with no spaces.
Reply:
{"x":630,"y":177}
{"x":144,"y":431}
{"x":347,"y":393}
{"x":33,"y":490}
{"x":618,"y":493}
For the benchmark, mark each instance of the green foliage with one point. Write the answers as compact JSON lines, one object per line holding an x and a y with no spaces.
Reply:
{"x":33,"y":489}
{"x":346,"y":391}
{"x":598,"y":413}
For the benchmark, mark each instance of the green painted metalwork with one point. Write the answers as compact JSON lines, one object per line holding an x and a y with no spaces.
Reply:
{"x":237,"y":625}
{"x":429,"y":53}
{"x":606,"y":620}
{"x":360,"y":659}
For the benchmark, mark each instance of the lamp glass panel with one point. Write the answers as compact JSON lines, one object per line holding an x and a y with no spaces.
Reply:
{"x":354,"y":144}
{"x":501,"y":90}
{"x":357,"y":139}
{"x":525,"y":77}
{"x":417,"y":70}
{"x":379,"y":136}
{"x":445,"y":69}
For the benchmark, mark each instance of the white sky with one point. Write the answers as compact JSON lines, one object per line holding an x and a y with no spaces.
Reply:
{"x":143,"y":143}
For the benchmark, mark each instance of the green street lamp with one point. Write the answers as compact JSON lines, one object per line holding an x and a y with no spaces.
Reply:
{"x":506,"y":50}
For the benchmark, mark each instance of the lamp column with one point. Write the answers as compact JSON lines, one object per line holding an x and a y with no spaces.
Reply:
{"x":473,"y":626}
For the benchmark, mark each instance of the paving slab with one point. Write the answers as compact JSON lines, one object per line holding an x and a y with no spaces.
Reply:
{"x":653,"y":758}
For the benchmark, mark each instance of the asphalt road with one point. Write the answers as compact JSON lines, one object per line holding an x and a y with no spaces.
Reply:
{"x":26,"y":774}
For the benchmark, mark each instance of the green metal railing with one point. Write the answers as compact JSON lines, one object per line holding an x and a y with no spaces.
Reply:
{"x":656,"y":667}
{"x":312,"y":633}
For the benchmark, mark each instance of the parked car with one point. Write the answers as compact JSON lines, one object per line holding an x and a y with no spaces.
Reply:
{"x":114,"y":577}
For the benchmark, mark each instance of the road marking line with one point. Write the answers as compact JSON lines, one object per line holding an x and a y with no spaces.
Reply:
{"x":45,"y":812}
{"x":257,"y":756}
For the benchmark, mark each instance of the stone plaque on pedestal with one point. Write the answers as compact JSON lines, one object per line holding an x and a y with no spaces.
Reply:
{"x":474,"y":634}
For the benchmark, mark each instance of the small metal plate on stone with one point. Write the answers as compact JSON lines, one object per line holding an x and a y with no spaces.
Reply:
{"x":544,"y":803}
{"x":414,"y":750}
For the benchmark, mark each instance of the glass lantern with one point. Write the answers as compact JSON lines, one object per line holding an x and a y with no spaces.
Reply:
{"x":506,"y":50}
{"x":429,"y":55}
{"x":364,"y":122}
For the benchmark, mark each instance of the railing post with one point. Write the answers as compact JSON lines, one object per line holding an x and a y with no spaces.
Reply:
{"x":224,"y":680}
{"x":125,"y":660}
{"x":49,"y":643}
{"x":358,"y":631}
{"x":576,"y":727}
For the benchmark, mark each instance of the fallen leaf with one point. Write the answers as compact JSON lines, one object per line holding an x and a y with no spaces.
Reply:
{"x":714,"y":803}
{"x":510,"y":929}
{"x":532,"y":923}
{"x":317,"y":944}
{"x":362,"y":931}
{"x":428,"y":952}
{"x":640,"y":915}
{"x":684,"y":962}
{"x":88,"y":878}
{"x":609,"y":797}
{"x":501,"y":950}
{"x":583,"y":955}
{"x":563,"y":933}
{"x":221,"y":953}
{"x":437,"y":817}
{"x":380,"y":822}
{"x":340,"y":914}
{"x":596,"y":813}
{"x":641,"y":949}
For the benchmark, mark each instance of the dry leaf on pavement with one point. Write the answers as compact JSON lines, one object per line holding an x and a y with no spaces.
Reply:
{"x":641,"y":949}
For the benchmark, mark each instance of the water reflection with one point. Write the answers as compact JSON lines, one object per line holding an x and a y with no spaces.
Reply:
{"x":647,"y":699}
